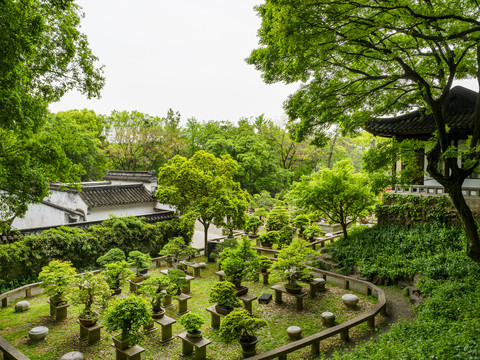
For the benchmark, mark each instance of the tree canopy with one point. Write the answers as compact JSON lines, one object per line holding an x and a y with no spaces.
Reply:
{"x":202,"y":187}
{"x":338,"y":194}
{"x":360,"y":60}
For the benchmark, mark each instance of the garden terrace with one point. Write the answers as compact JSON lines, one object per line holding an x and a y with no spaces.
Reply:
{"x":63,"y":336}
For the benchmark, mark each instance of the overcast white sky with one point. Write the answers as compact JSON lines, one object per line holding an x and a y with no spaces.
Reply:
{"x":187,"y":55}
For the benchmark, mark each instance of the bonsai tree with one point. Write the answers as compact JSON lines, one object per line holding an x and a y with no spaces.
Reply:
{"x":239,"y":264}
{"x":117,"y":274}
{"x":291,"y":264}
{"x":176,"y":281}
{"x":264,"y":263}
{"x":230,"y":243}
{"x":270,"y":238}
{"x":55,"y":278}
{"x":240,"y":325}
{"x":89,"y":290}
{"x":176,"y":249}
{"x":261,"y":212}
{"x":192,"y":323}
{"x":113,"y":255}
{"x":300,"y":222}
{"x":311,"y":231}
{"x":253,"y":225}
{"x":155,"y":289}
{"x":128,"y":315}
{"x":278,"y":217}
{"x":224,"y":294}
{"x":285,"y":236}
{"x":139,"y":260}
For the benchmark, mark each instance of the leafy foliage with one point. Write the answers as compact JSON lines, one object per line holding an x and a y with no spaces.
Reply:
{"x":90,"y":290}
{"x":224,"y":293}
{"x":191,"y":321}
{"x":239,"y":264}
{"x":239,"y":325}
{"x":253,"y":225}
{"x":112,"y":255}
{"x":153,"y":288}
{"x":129,"y":315}
{"x":278,"y":217}
{"x":56,"y":278}
{"x":139,"y":260}
{"x":176,"y":249}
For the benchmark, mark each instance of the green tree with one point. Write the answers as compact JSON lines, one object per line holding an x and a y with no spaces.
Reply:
{"x":80,"y":134}
{"x":43,"y":56}
{"x":337,"y":193}
{"x":202,"y":187}
{"x":363,"y":59}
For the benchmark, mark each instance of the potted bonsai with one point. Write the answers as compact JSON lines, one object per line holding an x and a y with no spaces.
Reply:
{"x":117,"y":274}
{"x":56,"y":278}
{"x":285,"y":236}
{"x":301,"y":222}
{"x":267,"y":240}
{"x":253,"y":225}
{"x":140,"y":262}
{"x":192,"y":323}
{"x":128,"y":315}
{"x":175,"y":249}
{"x":311,"y":231}
{"x":261,"y":212}
{"x":291,"y":265}
{"x":89,"y":290}
{"x":264,"y":263}
{"x":155,"y":289}
{"x":240,"y":325}
{"x":239,"y":264}
{"x":278,"y":217}
{"x":224,"y":295}
{"x":112,"y":255}
{"x":176,"y":281}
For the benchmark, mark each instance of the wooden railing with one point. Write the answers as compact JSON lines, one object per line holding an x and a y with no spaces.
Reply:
{"x":313,"y":341}
{"x":10,"y":352}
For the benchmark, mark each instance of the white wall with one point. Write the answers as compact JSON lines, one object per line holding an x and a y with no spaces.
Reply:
{"x":40,"y":215}
{"x":103,"y":213}
{"x":67,"y":200}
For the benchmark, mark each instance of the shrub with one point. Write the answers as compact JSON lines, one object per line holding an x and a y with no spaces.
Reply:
{"x":278,"y":217}
{"x":55,"y":278}
{"x":224,"y":293}
{"x":239,"y":325}
{"x":191,"y":321}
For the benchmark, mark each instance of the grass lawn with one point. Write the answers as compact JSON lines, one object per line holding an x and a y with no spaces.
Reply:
{"x":64,"y":336}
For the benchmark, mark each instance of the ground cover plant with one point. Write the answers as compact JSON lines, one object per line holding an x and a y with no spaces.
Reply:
{"x":63,"y":336}
{"x":447,"y":325}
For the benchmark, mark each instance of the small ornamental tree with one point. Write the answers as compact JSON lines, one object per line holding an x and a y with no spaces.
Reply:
{"x":224,"y":293}
{"x":253,"y":225}
{"x":113,"y":255}
{"x":278,"y":217}
{"x":176,"y":249}
{"x":139,"y":260}
{"x":311,"y":231}
{"x":56,"y":278}
{"x":291,"y":264}
{"x":116,"y":274}
{"x":269,"y":238}
{"x":239,"y":264}
{"x":300,"y":222}
{"x":192,"y":322}
{"x":285,"y":236}
{"x":261,"y":212}
{"x":129,"y":315}
{"x":155,"y":289}
{"x":176,"y":281}
{"x":240,"y":325}
{"x":338,"y":193}
{"x":90,"y":290}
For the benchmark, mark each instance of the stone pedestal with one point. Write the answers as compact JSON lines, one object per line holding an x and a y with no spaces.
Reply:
{"x":182,"y":303}
{"x":58,"y":311}
{"x":200,"y":345}
{"x":166,"y":323}
{"x":90,"y":333}
{"x":131,"y":353}
{"x":214,"y":317}
{"x":247,"y":302}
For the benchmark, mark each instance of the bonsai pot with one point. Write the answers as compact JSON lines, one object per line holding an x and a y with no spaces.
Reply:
{"x":59,"y":311}
{"x":253,"y":236}
{"x":117,"y":291}
{"x":194,"y":334}
{"x":267,"y":245}
{"x":223,"y":310}
{"x":241,"y":290}
{"x":88,"y":322}
{"x":249,"y":345}
{"x":158,"y":315}
{"x":293,"y":289}
{"x":138,"y":279}
{"x":120,"y":344}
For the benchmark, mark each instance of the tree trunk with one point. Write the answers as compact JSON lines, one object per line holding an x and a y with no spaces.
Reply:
{"x":330,"y":153}
{"x":468,"y":222}
{"x":205,"y":238}
{"x":344,"y":229}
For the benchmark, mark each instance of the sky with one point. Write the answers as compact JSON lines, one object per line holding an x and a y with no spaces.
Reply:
{"x":188,"y":55}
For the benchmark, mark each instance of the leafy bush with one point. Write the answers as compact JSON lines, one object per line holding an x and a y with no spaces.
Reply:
{"x":56,"y":278}
{"x":278,"y":217}
{"x":191,"y":321}
{"x":239,"y":325}
{"x":224,"y":293}
{"x":25,"y":257}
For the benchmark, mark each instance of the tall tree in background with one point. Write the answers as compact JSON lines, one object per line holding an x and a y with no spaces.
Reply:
{"x":143,"y":142}
{"x":81,"y":134}
{"x":43,"y":56}
{"x":364,"y":59}
{"x":202,"y":187}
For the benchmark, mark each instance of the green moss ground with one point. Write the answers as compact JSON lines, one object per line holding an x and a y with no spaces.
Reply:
{"x":63,"y":336}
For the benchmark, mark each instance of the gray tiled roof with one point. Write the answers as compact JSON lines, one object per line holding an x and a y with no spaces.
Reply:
{"x":124,"y":175}
{"x":112,"y":195}
{"x":460,"y":118}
